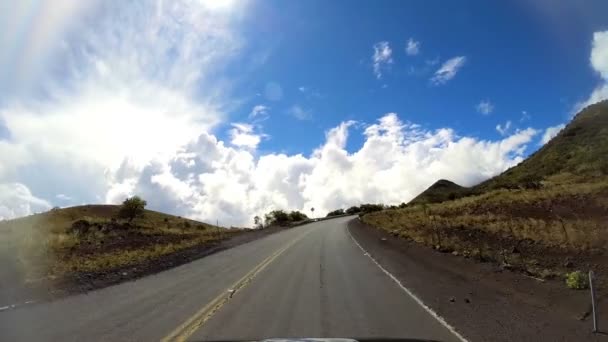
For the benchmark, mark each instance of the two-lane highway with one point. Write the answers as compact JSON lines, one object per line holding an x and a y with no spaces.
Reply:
{"x":310,"y":281}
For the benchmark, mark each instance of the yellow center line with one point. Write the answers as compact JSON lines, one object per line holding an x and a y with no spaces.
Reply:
{"x":193,"y":323}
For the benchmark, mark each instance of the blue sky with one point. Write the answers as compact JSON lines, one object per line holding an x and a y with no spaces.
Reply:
{"x":519,"y":57}
{"x":227,"y":109}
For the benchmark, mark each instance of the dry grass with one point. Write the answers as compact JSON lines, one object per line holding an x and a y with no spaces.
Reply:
{"x":557,"y":219}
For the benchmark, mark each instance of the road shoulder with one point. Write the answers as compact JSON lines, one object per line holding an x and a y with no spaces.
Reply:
{"x":481,"y":301}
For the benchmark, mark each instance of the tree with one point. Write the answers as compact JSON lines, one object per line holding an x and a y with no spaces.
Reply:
{"x":279,"y":217}
{"x":296,"y":216}
{"x":353,"y":210}
{"x":131,"y":208}
{"x":335,"y":212}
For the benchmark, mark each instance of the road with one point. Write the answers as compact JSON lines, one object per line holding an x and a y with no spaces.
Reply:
{"x":312,"y":281}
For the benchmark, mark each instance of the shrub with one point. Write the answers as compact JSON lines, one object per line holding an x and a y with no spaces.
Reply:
{"x":577,"y":280}
{"x":335,"y":212}
{"x":186,"y":224}
{"x":370,"y":208}
{"x":131,"y":208}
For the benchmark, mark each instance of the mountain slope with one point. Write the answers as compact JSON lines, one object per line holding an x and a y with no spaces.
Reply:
{"x":579,"y":153}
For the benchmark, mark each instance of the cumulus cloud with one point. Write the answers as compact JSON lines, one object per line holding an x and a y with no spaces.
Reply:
{"x":550,"y":133}
{"x":123,"y":84}
{"x":599,"y":63}
{"x":243,"y":135}
{"x":209,"y":180}
{"x":504,"y":129}
{"x":485,"y":107}
{"x":381,"y":58}
{"x":412,"y":48}
{"x":300,"y":113}
{"x":448,"y":70}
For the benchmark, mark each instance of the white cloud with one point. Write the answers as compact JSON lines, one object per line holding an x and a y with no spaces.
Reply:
{"x":210,"y":181}
{"x":485,"y":107}
{"x":242,"y":135}
{"x":259,"y":112}
{"x":413,"y":47}
{"x":381,"y":58}
{"x":302,"y":89}
{"x":599,"y":63}
{"x":599,"y":53}
{"x":524,"y":116}
{"x":504,"y":129}
{"x":17,"y":200}
{"x":125,"y":82}
{"x":551,"y":132}
{"x":448,"y":70}
{"x":300,"y":113}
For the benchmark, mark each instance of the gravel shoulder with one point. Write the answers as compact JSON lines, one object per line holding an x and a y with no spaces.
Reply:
{"x":482,"y":301}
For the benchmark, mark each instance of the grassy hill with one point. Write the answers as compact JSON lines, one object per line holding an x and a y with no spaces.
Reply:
{"x":441,"y":191}
{"x":533,"y":216}
{"x":90,"y":239}
{"x":579,"y":153}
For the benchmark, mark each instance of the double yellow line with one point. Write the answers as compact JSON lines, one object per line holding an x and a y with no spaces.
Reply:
{"x":186,"y":329}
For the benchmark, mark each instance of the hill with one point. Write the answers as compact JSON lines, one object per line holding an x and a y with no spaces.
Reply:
{"x":64,"y":244}
{"x":440,"y":191}
{"x":534,"y":217}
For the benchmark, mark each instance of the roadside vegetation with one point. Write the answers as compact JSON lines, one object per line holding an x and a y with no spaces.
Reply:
{"x":97,"y":238}
{"x":543,"y":217}
{"x":280,"y":218}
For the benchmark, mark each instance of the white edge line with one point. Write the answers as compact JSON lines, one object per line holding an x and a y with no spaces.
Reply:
{"x":14,"y":306}
{"x":410,"y":293}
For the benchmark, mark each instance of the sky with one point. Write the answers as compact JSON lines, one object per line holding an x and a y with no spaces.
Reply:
{"x":220,"y":110}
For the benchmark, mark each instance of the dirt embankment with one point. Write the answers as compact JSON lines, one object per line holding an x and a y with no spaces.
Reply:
{"x":483,"y":301}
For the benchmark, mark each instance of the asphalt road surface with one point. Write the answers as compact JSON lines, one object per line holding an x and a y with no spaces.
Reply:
{"x":309,"y":281}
